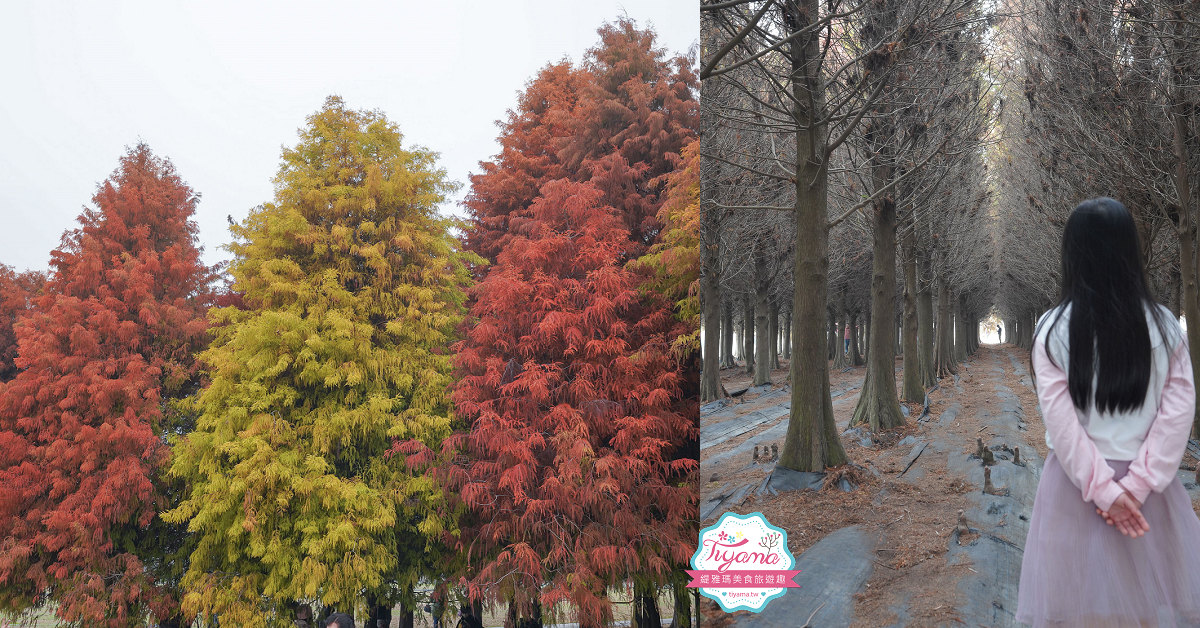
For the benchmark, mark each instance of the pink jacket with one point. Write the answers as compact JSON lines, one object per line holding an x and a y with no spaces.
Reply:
{"x":1157,"y":458}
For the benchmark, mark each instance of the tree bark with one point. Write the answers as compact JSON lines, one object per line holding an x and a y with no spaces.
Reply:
{"x":645,"y":605}
{"x":748,"y":334}
{"x":835,"y":341}
{"x":682,"y":615}
{"x":710,"y":297}
{"x":727,"y":337}
{"x":838,"y":326}
{"x":944,"y":351}
{"x":864,"y":329}
{"x":878,"y":405}
{"x":925,"y":329}
{"x":787,"y":336}
{"x":960,"y":331}
{"x":912,"y":388}
{"x":1187,"y":236}
{"x":408,"y":616}
{"x":812,"y":442}
{"x":762,"y":326}
{"x":773,"y":322}
{"x":856,"y":356}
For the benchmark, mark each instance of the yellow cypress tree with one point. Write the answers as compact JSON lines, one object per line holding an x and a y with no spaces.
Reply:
{"x":353,"y":287}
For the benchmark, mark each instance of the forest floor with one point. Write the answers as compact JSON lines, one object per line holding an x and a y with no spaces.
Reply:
{"x":890,"y":545}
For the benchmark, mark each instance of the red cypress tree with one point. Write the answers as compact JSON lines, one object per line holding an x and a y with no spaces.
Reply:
{"x":636,"y":116}
{"x":17,"y":290}
{"x":82,"y":426}
{"x":619,"y":120}
{"x":579,"y":467}
{"x":530,"y":140}
{"x":571,"y":394}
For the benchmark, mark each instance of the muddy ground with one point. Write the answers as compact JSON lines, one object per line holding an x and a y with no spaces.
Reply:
{"x":900,"y":557}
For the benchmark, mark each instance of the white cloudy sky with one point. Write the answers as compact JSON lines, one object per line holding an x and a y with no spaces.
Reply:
{"x":219,"y":86}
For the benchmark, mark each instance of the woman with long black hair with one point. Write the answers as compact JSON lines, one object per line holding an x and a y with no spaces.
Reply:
{"x":1113,"y":539}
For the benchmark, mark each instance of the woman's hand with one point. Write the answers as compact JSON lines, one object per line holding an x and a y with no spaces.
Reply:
{"x":1126,"y":515}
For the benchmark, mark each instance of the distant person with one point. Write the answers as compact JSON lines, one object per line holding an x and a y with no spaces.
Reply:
{"x":999,"y":333}
{"x":846,"y":347}
{"x":339,"y":620}
{"x":1113,"y":539}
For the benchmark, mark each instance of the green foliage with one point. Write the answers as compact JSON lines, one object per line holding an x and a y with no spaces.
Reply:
{"x":673,"y":263}
{"x":352,"y":288}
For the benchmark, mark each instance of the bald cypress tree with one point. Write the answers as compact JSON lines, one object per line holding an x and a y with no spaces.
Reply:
{"x":352,"y":287}
{"x":102,"y":353}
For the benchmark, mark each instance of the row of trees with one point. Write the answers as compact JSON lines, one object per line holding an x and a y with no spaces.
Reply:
{"x":1100,"y":99}
{"x":372,"y":403}
{"x":844,"y":183}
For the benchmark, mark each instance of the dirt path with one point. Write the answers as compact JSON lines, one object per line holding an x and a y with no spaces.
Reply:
{"x":924,"y":568}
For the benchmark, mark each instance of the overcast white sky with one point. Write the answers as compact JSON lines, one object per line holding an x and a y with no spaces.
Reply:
{"x":219,"y":86}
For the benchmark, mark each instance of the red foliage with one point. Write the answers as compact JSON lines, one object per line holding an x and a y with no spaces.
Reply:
{"x":109,"y":341}
{"x":529,"y":143}
{"x":619,"y":121}
{"x":580,"y":462}
{"x":638,"y":114}
{"x":17,"y":290}
{"x":571,"y":467}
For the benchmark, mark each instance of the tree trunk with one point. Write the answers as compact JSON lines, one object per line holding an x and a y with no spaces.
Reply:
{"x":839,"y":331}
{"x":682,"y":615}
{"x":408,"y":616}
{"x":748,"y":334}
{"x":974,"y":333}
{"x":1024,"y":331}
{"x":944,"y":351}
{"x":856,"y":356}
{"x":710,"y":297}
{"x":176,"y":620}
{"x":835,"y":341}
{"x":645,"y":605}
{"x":925,"y":330}
{"x":762,"y":323}
{"x":960,"y":332}
{"x":727,"y":337}
{"x":912,"y":388}
{"x":1174,"y":303}
{"x":863,"y":330}
{"x":812,"y":441}
{"x":514,"y":618}
{"x":773,"y":313}
{"x":1187,"y":236}
{"x":878,"y":405}
{"x":787,"y":336}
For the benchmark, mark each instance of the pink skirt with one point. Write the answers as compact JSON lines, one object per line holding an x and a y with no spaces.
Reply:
{"x":1079,"y":571}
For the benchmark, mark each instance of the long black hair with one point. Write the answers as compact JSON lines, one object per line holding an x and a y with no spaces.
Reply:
{"x":1104,"y":282}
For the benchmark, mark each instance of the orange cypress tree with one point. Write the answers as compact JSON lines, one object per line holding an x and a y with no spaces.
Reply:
{"x":17,"y":290}
{"x":571,"y":393}
{"x":83,"y":425}
{"x":596,"y":418}
{"x":619,"y":120}
{"x":634,"y":119}
{"x":530,"y":140}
